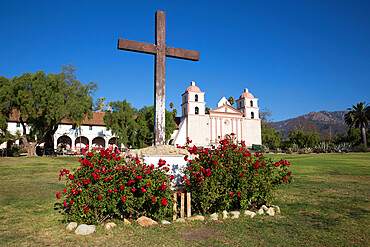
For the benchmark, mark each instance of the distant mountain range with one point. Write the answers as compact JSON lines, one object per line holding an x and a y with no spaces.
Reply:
{"x":325,"y":123}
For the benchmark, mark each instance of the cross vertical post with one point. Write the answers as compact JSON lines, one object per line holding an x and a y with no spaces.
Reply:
{"x":160,"y":51}
{"x":160,"y":79}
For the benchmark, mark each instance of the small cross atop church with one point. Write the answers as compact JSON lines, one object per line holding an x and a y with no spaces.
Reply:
{"x":160,"y":51}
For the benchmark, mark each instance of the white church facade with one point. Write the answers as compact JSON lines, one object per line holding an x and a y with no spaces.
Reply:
{"x":206,"y":129}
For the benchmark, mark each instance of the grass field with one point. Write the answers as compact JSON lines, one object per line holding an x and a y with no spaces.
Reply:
{"x":327,"y":205}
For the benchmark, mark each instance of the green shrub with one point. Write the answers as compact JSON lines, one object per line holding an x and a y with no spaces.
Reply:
{"x":230,"y":177}
{"x":305,"y":150}
{"x":107,"y":186}
{"x":360,"y":148}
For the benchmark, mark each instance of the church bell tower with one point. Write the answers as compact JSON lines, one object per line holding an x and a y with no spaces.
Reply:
{"x":193,"y":101}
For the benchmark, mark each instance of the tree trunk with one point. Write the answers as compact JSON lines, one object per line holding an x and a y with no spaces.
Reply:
{"x":363,"y":134}
{"x":30,"y":146}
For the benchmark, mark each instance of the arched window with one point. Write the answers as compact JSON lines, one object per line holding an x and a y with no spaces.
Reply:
{"x":252,"y":115}
{"x":196,"y":98}
{"x":251,"y":103}
{"x":196,"y":110}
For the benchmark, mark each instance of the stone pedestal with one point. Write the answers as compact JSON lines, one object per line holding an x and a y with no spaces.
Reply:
{"x":172,"y":155}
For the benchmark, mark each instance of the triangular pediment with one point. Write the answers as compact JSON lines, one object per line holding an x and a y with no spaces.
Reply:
{"x":225,"y":109}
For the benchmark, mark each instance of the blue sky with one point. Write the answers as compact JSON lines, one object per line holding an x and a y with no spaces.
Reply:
{"x":295,"y":56}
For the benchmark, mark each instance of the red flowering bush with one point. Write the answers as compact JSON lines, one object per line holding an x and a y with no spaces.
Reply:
{"x":230,"y":177}
{"x":107,"y":186}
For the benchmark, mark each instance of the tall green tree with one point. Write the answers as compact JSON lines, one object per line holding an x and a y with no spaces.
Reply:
{"x":121,"y":120}
{"x":135,"y":128}
{"x":359,"y":116}
{"x":170,"y":124}
{"x":271,"y":137}
{"x":44,"y":100}
{"x":304,"y":139}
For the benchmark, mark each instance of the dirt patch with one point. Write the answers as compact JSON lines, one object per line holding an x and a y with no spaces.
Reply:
{"x":201,"y":234}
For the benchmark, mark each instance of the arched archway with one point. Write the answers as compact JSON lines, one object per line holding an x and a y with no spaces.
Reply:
{"x":81,"y":142}
{"x":64,"y":142}
{"x":112,"y":143}
{"x":98,"y":142}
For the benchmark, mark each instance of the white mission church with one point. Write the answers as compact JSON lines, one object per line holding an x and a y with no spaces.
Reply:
{"x":208,"y":129}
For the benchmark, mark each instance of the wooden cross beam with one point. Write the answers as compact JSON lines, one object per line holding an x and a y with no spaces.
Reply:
{"x":160,"y":51}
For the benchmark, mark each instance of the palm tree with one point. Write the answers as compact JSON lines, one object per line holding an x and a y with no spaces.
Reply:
{"x":359,"y":116}
{"x":231,"y":100}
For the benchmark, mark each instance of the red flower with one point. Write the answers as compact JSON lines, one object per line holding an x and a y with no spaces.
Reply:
{"x":178,"y":192}
{"x":122,"y":187}
{"x":289,"y":173}
{"x":257,"y":164}
{"x":148,"y":184}
{"x":164,"y":202}
{"x":238,"y":194}
{"x":65,"y":204}
{"x":153,"y":199}
{"x":215,"y":162}
{"x":99,"y":197}
{"x":143,"y":190}
{"x":133,"y":189}
{"x":242,"y":175}
{"x":284,"y":179}
{"x":86,"y":209}
{"x":228,"y":169}
{"x":124,"y":198}
{"x":277,"y":164}
{"x":172,"y":177}
{"x":58,"y":195}
{"x":139,"y":177}
{"x":90,"y":154}
{"x":110,"y":191}
{"x":71,"y":177}
{"x":115,"y":190}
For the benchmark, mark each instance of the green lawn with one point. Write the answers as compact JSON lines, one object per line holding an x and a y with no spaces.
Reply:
{"x":327,"y":205}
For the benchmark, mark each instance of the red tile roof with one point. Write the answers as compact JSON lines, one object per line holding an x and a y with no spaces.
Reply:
{"x":96,"y":120}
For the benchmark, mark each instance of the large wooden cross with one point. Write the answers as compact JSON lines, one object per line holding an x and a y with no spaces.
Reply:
{"x":161,"y":51}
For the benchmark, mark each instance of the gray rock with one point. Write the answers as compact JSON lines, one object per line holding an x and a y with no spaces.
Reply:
{"x":71,"y":226}
{"x":165,"y":222}
{"x":271,"y":211}
{"x":235,"y":214}
{"x":197,"y":217}
{"x":84,"y":229}
{"x":110,"y":225}
{"x":214,"y":216}
{"x":181,"y":220}
{"x":264,"y":207}
{"x":249,"y":213}
{"x":145,"y":221}
{"x":277,"y":209}
{"x":260,"y":211}
{"x":224,"y":214}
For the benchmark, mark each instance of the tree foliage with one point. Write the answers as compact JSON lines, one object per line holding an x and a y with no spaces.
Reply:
{"x":304,"y":139}
{"x":231,"y":100}
{"x":359,"y":117}
{"x":135,"y":128}
{"x":44,"y":100}
{"x":271,"y":137}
